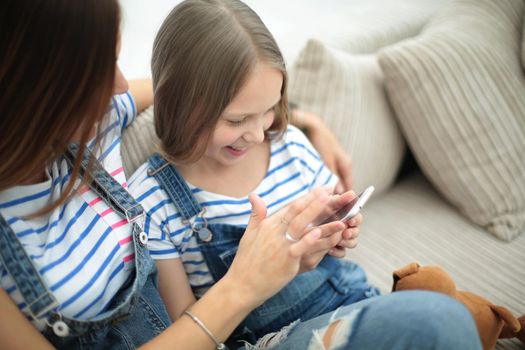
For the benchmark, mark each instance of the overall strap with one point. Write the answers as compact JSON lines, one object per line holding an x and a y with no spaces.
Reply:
{"x":174,"y":184}
{"x":39,"y":301}
{"x":105,"y":186}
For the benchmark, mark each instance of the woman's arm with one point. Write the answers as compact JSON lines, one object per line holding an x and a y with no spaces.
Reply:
{"x":142,"y":92}
{"x":174,"y":287}
{"x":326,"y":143}
{"x":265,"y":262}
{"x":16,"y":332}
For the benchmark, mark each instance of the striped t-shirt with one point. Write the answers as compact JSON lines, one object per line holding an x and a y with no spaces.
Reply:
{"x":294,"y":169}
{"x":83,"y":249}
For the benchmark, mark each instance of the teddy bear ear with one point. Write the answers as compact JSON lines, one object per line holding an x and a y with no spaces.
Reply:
{"x":507,"y":317}
{"x":404,"y":271}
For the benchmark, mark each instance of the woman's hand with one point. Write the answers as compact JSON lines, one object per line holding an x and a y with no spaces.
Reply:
{"x":266,"y":260}
{"x":326,"y":143}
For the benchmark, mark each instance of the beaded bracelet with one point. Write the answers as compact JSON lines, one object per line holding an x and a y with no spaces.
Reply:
{"x":218,"y":344}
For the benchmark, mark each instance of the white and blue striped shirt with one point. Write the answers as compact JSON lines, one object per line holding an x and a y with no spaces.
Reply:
{"x":83,"y":249}
{"x":295,"y":168}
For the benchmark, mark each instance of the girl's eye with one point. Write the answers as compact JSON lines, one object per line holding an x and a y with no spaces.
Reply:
{"x":237,"y":122}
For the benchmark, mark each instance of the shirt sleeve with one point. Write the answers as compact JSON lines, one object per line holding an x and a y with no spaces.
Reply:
{"x":125,"y":109}
{"x":158,"y":209}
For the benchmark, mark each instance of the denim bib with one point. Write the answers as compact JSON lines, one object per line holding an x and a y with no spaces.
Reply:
{"x":308,"y":295}
{"x":136,"y":313}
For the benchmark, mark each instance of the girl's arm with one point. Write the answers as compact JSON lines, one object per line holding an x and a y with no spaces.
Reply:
{"x":16,"y":332}
{"x":142,"y":92}
{"x":174,"y":287}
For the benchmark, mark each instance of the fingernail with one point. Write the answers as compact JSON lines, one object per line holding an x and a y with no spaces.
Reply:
{"x":309,"y":226}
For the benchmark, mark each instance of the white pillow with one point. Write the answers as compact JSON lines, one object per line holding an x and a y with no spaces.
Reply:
{"x":139,"y":141}
{"x":347,"y":91}
{"x":459,"y":94}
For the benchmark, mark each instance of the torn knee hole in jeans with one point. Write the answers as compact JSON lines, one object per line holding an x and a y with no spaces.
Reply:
{"x":335,"y":334}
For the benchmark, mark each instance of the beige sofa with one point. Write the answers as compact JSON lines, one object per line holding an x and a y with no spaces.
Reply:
{"x":432,"y":108}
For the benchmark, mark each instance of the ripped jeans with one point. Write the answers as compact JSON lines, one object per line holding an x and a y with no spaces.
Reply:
{"x":403,"y":320}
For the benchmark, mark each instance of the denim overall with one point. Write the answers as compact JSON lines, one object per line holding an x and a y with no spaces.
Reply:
{"x":332,"y":284}
{"x":136,"y":313}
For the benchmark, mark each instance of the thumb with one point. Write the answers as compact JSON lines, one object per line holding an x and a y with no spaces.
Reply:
{"x":258,"y":210}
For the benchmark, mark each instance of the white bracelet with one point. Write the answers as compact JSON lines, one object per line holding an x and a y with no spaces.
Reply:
{"x":218,"y":344}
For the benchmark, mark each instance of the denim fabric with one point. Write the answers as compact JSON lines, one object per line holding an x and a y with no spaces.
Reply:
{"x":135,"y":315}
{"x":332,"y":284}
{"x":417,"y":320}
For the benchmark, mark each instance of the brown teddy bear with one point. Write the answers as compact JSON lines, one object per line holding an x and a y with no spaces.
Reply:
{"x":493,"y":321}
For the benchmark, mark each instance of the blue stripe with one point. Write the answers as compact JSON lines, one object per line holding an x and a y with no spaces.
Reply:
{"x":133,"y":108}
{"x":97,"y":299}
{"x":84,"y":261}
{"x":11,"y":289}
{"x":12,"y":220}
{"x":280,"y":200}
{"x":280,"y":166}
{"x":193,"y":262}
{"x":198,"y":273}
{"x":193,"y":250}
{"x":300,"y":145}
{"x":328,"y":179}
{"x":104,"y":133}
{"x":60,"y":238}
{"x":164,"y":251}
{"x":166,"y":221}
{"x":179,"y":231}
{"x":109,"y":149}
{"x":25,"y":199}
{"x":246,"y":200}
{"x":114,"y":103}
{"x":316,"y":176}
{"x":72,"y":247}
{"x":285,"y":181}
{"x":147,"y":193}
{"x":152,"y":211}
{"x":90,"y":283}
{"x":46,"y":227}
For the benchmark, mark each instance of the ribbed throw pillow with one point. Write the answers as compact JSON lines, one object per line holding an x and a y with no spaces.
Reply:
{"x":139,"y":141}
{"x":347,"y":91}
{"x":523,"y":45}
{"x":458,"y":91}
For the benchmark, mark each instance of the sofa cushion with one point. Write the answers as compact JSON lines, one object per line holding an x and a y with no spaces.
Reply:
{"x":458,"y":91}
{"x":139,"y":141}
{"x":523,"y":45}
{"x":347,"y":91}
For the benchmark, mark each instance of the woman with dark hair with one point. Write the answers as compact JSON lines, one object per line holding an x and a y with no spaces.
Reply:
{"x":74,"y":267}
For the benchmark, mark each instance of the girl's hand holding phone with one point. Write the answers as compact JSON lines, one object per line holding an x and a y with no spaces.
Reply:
{"x":350,"y":206}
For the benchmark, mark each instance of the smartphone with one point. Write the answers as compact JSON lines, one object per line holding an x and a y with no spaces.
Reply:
{"x":351,"y":209}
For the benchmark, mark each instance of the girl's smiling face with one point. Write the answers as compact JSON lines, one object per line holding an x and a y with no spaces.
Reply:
{"x":243,"y":123}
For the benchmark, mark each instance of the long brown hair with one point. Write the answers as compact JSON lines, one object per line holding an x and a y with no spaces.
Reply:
{"x":202,"y":56}
{"x":57,"y":67}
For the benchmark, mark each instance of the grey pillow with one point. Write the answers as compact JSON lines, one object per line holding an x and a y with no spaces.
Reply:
{"x":458,"y":91}
{"x":139,"y":141}
{"x":347,"y":91}
{"x":523,"y":45}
